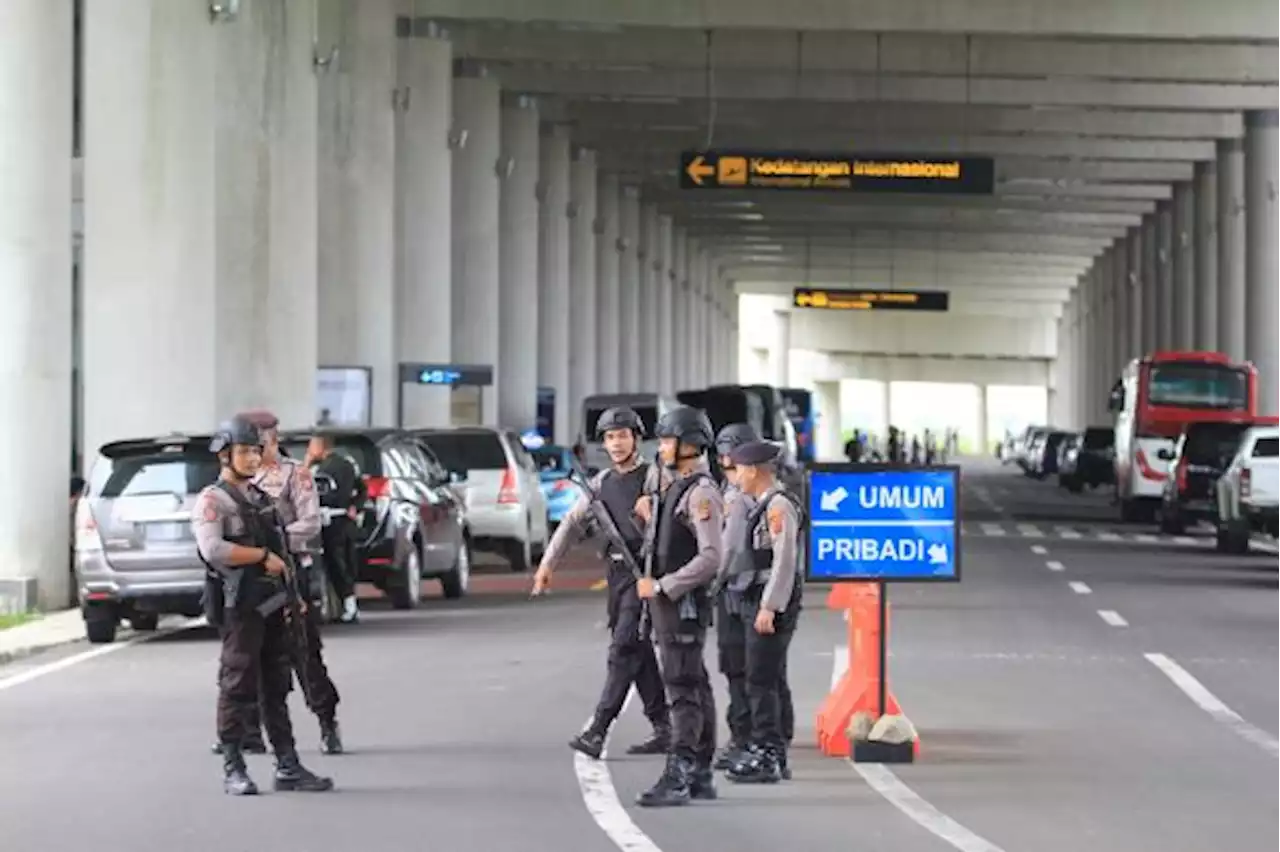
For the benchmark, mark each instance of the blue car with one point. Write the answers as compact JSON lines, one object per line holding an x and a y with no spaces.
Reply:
{"x":555,"y":465}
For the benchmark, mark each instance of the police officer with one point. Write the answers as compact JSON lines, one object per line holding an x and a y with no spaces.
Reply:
{"x":229,"y":524}
{"x":731,"y":638}
{"x":683,"y":513}
{"x":772,"y":601}
{"x":338,"y":535}
{"x":631,"y":656}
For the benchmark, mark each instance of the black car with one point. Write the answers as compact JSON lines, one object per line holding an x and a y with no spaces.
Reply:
{"x":1045,"y":461}
{"x":412,"y":525}
{"x":1094,"y":462}
{"x":1201,"y":454}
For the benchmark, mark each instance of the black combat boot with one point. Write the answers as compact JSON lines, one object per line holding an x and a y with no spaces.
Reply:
{"x":235,"y":777}
{"x":783,"y":767}
{"x":590,"y":742}
{"x":702,"y":783}
{"x":673,"y":787}
{"x":658,"y":743}
{"x":730,"y":755}
{"x":759,"y":767}
{"x":330,"y":737}
{"x":253,"y":745}
{"x":292,"y":776}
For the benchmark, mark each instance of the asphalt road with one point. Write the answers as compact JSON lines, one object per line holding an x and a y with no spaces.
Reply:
{"x":1044,"y":726}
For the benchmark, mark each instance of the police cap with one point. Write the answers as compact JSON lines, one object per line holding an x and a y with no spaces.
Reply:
{"x":734,"y":435}
{"x":238,"y":430}
{"x":755,"y":453}
{"x":686,"y":424}
{"x":619,"y":418}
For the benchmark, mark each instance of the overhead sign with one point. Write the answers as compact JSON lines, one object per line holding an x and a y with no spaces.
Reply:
{"x":871,"y":300}
{"x":473,"y":375}
{"x":880,"y":523}
{"x":836,"y":172}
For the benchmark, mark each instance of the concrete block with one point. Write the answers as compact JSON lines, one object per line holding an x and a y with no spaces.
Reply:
{"x":17,"y":595}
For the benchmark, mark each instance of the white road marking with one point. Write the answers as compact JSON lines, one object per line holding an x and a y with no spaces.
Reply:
{"x":1055,"y":565}
{"x":993,"y":530}
{"x":1067,"y":532}
{"x":881,"y":779}
{"x":1146,"y":538}
{"x":1184,"y":539}
{"x":1039,"y":549}
{"x":1080,"y":588}
{"x":1210,"y":703}
{"x":1030,"y":531}
{"x":1115,"y":619}
{"x":1107,"y":535}
{"x":30,"y":674}
{"x":601,"y":799}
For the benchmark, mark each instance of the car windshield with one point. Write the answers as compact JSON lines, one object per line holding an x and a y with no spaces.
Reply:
{"x":1099,"y":439}
{"x":1266,"y":448}
{"x":359,"y":450}
{"x":1212,"y":444}
{"x":552,"y":459}
{"x":463,"y":451}
{"x":1188,"y":385}
{"x":181,"y":470}
{"x":648,"y":416}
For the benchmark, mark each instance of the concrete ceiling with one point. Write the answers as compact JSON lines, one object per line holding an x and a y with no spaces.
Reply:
{"x":1091,"y":109}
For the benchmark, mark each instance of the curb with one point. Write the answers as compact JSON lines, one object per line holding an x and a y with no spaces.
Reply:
{"x":16,"y":654}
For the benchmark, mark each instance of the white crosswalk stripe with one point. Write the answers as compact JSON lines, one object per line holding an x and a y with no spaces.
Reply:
{"x":1086,"y":533}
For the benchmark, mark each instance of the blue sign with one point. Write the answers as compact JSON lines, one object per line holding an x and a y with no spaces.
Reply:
{"x":448,"y":375}
{"x":874,"y":522}
{"x":439,"y":377}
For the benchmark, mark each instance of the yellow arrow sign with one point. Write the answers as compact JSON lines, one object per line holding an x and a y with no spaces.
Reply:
{"x":698,"y":169}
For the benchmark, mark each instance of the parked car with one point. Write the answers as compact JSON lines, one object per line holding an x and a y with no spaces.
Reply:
{"x":556,"y":467}
{"x":135,"y":554}
{"x":1200,"y":455}
{"x":1092,"y":461}
{"x":1068,"y":454}
{"x":413,"y":524}
{"x":1026,"y":447}
{"x":506,"y":511}
{"x":1248,"y":492}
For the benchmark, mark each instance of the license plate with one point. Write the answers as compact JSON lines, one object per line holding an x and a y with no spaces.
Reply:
{"x":168,"y":531}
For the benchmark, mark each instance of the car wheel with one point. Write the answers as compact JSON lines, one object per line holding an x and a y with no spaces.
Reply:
{"x":1171,"y":521}
{"x":145,"y":621}
{"x":455,"y":583}
{"x":408,"y":592}
{"x":518,"y":555}
{"x":1237,"y":538}
{"x":100,"y":623}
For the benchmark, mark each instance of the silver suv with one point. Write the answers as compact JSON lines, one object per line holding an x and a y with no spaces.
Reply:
{"x":136,"y":558}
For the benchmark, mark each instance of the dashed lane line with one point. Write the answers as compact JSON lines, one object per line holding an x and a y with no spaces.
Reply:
{"x":1039,"y":549}
{"x":1211,"y":704}
{"x":1110,"y":616}
{"x":1080,"y":588}
{"x":1055,"y":565}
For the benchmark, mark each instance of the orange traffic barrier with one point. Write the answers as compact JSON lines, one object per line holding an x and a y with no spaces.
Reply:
{"x":858,"y":689}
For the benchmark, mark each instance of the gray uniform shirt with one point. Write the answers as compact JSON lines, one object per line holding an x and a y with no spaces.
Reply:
{"x":293,"y":489}
{"x":779,"y":529}
{"x":737,"y":506}
{"x":571,"y":523}
{"x":701,"y":509}
{"x":214,"y":516}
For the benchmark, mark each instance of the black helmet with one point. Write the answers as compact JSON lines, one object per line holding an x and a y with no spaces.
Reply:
{"x":619,"y":418}
{"x":734,"y":435}
{"x":687,"y":424}
{"x":237,"y":430}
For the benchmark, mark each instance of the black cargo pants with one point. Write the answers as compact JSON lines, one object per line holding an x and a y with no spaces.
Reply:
{"x":254,"y":668}
{"x":338,"y":539}
{"x":731,"y":643}
{"x":632,"y":660}
{"x":684,"y":672}
{"x":772,"y":712}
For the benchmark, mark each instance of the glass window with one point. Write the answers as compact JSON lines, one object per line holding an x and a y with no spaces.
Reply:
{"x":1099,"y":439}
{"x":464,"y":451}
{"x":1212,"y":443}
{"x":153,"y":470}
{"x":1188,"y":385}
{"x":1266,"y":448}
{"x":394,"y":464}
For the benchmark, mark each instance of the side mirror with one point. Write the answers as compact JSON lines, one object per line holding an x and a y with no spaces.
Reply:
{"x":1164,"y":454}
{"x":1115,"y":402}
{"x":457,"y":477}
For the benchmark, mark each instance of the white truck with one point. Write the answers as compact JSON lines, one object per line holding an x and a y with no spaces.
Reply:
{"x":1248,"y":492}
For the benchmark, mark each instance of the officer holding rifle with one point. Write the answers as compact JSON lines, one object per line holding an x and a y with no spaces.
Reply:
{"x":609,"y":499}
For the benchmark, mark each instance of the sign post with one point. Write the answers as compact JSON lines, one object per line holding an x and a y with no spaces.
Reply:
{"x":872,"y":525}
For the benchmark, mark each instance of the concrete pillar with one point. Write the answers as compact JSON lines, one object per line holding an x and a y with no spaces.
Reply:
{"x":1231,"y":249}
{"x":886,"y":405}
{"x":1102,"y":334}
{"x":680,"y":309}
{"x":35,"y":280}
{"x":1206,"y":257}
{"x":518,"y":265}
{"x":1164,"y":276}
{"x":1137,"y":304}
{"x":357,"y":222}
{"x":608,"y":259}
{"x":1184,"y":267}
{"x":1150,"y":282}
{"x":1119,"y":310}
{"x":780,"y":350}
{"x":693,"y":269}
{"x":984,"y":441}
{"x":650,"y":374}
{"x":828,"y":446}
{"x":663,"y":294}
{"x":582,"y":282}
{"x":424,"y":188}
{"x":476,"y":308}
{"x":735,"y":333}
{"x":629,"y":277}
{"x":553,"y":273}
{"x":1262,"y":273}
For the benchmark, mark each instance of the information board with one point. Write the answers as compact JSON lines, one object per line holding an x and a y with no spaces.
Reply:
{"x":806,"y":171}
{"x":883,"y":523}
{"x":870,"y":300}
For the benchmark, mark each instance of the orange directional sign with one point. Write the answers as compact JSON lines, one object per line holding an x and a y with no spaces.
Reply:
{"x":871,"y":300}
{"x":836,"y":172}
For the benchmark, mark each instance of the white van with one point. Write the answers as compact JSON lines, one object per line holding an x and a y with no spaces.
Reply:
{"x":650,"y":406}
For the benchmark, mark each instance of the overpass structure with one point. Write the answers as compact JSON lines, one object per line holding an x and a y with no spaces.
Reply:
{"x":260,"y":188}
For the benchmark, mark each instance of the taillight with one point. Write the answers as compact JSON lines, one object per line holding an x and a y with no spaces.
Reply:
{"x":1246,"y":483}
{"x":378,"y":487}
{"x":561,"y":485}
{"x":1182,"y":475}
{"x":509,"y":491}
{"x":1145,"y":468}
{"x":87,"y":535}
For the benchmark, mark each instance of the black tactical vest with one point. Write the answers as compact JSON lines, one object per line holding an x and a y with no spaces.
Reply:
{"x":762,"y":558}
{"x":619,"y":493}
{"x":677,"y":544}
{"x":250,"y":585}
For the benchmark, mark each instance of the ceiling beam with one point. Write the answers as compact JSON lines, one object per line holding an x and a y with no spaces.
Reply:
{"x":909,"y":240}
{"x":1007,"y":225}
{"x":850,"y":217}
{"x":821,"y":204}
{"x":1013,"y":292}
{"x":837,"y":257}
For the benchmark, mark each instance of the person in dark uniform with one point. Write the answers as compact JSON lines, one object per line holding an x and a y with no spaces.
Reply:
{"x":230,"y":520}
{"x":338,"y":534}
{"x":772,"y":597}
{"x":731,"y":637}
{"x":631,"y":656}
{"x":683,"y":513}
